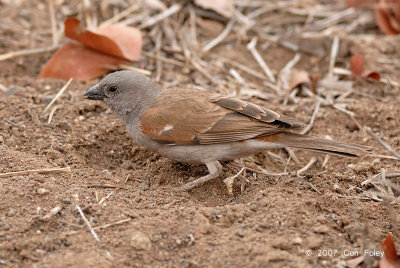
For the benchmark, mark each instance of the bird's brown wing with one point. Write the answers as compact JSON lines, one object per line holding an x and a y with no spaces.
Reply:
{"x":194,"y":117}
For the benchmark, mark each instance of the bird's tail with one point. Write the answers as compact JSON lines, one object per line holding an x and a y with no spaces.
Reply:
{"x":295,"y":140}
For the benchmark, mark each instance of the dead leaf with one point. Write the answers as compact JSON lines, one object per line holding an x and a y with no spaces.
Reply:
{"x":390,"y":258}
{"x":387,"y":15}
{"x":109,"y":45}
{"x":117,"y":40}
{"x":79,"y":62}
{"x":372,"y":74}
{"x":357,"y":65}
{"x":223,"y":7}
{"x":353,"y":263}
{"x":297,"y":78}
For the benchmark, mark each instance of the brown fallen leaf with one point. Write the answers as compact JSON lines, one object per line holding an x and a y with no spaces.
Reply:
{"x":79,"y":62}
{"x":357,"y":63}
{"x":390,"y":258}
{"x":297,"y":78}
{"x":223,"y":7}
{"x":109,"y":45}
{"x":117,"y":40}
{"x":387,"y":15}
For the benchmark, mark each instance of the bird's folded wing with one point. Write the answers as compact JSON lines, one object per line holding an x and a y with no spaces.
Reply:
{"x":187,"y":117}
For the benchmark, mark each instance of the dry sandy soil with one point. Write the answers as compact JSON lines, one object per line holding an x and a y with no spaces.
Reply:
{"x":268,"y":222}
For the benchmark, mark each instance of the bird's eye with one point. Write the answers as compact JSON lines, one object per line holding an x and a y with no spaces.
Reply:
{"x":112,"y":88}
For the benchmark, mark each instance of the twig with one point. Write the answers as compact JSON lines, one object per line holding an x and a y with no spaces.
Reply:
{"x":58,"y":95}
{"x":36,"y":171}
{"x":334,"y":52}
{"x":117,"y":17}
{"x":164,"y":59}
{"x":251,"y":46}
{"x":111,"y":224}
{"x":159,"y":17}
{"x":105,"y":198}
{"x":314,"y":115}
{"x":87,"y":223}
{"x":306,"y":167}
{"x":382,"y":143}
{"x":220,"y":37}
{"x":128,"y":67}
{"x":51,"y":114}
{"x":285,"y":72}
{"x":51,"y":213}
{"x":229,"y":181}
{"x":242,"y":67}
{"x":27,"y":52}
{"x":53,"y":21}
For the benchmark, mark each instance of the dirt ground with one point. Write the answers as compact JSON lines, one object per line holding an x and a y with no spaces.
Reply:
{"x":268,"y":222}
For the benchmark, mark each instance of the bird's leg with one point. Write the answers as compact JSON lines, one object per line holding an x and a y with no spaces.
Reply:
{"x":214,"y":169}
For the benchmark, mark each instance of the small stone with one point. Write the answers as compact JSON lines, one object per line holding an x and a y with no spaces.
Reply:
{"x":66,"y":201}
{"x":321,"y":229}
{"x":202,"y":223}
{"x":143,"y":186}
{"x":297,"y":241}
{"x":1,"y":139}
{"x":11,"y":213}
{"x":140,"y":241}
{"x":42,"y":191}
{"x":127,"y":164}
{"x":178,"y":242}
{"x":81,"y":118}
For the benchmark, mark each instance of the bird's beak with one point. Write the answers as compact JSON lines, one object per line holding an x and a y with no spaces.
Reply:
{"x":94,"y":94}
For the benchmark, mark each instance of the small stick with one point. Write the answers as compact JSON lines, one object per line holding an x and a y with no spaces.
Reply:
{"x":111,"y":224}
{"x":242,"y":67}
{"x":105,"y":198}
{"x":27,"y":52}
{"x":53,"y":21}
{"x":164,"y":59}
{"x":51,"y":114}
{"x":58,"y":94}
{"x":36,"y":171}
{"x":87,"y":223}
{"x":314,"y":115}
{"x":383,"y":156}
{"x":334,"y":52}
{"x":285,"y":72}
{"x":159,"y":65}
{"x":306,"y":167}
{"x":220,"y":37}
{"x":252,"y":48}
{"x":3,"y":88}
{"x":229,"y":181}
{"x":292,"y":155}
{"x":382,"y":143}
{"x":261,"y":171}
{"x":51,"y":213}
{"x":159,"y":17}
{"x":117,"y":17}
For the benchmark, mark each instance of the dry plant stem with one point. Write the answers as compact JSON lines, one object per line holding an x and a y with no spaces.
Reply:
{"x":306,"y":167}
{"x":36,"y":171}
{"x":342,"y":71}
{"x":285,"y":72}
{"x":220,"y":37}
{"x":382,"y":143}
{"x":314,"y":115}
{"x":383,"y":156}
{"x":53,"y":21}
{"x":87,"y":223}
{"x":121,"y":15}
{"x":252,"y":48}
{"x":111,"y":224}
{"x":58,"y":95}
{"x":164,"y":59}
{"x":129,"y":67}
{"x":159,"y":17}
{"x":105,"y":198}
{"x":3,"y":88}
{"x":334,"y":52}
{"x":158,"y":53}
{"x":51,"y":114}
{"x":27,"y":52}
{"x":193,"y":34}
{"x":242,"y":67}
{"x":292,"y":155}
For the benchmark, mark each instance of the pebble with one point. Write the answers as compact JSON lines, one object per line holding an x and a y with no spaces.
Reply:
{"x":321,"y":229}
{"x":140,"y":241}
{"x":297,"y":241}
{"x":143,"y":186}
{"x":42,"y":191}
{"x":11,"y":213}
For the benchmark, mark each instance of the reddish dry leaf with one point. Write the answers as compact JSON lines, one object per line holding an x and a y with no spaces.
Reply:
{"x":387,"y":15}
{"x":390,"y":258}
{"x":223,"y":7}
{"x":372,"y":74}
{"x":357,"y":65}
{"x":298,"y":77}
{"x":76,"y":61}
{"x":117,"y":40}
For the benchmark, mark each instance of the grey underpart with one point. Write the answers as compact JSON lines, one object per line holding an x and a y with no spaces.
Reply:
{"x":214,"y":169}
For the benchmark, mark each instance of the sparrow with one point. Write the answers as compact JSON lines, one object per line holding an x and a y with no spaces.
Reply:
{"x":193,"y":126}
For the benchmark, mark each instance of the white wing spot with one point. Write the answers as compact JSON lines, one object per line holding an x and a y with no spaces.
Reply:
{"x":165,"y":129}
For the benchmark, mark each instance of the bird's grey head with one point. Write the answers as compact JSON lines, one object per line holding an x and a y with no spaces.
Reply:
{"x":125,"y":92}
